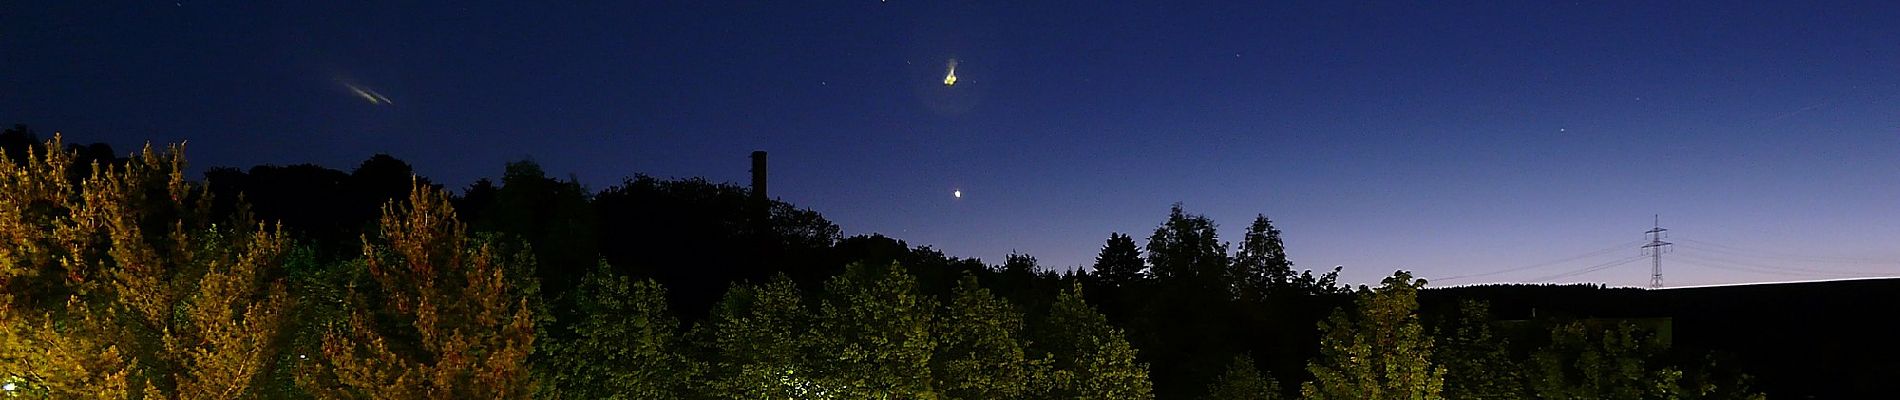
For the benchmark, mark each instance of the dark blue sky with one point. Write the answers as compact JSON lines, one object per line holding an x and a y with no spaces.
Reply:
{"x":1445,"y":139}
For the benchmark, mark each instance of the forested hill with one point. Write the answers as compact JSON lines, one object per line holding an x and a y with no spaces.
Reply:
{"x":685,"y":288}
{"x":1820,"y":339}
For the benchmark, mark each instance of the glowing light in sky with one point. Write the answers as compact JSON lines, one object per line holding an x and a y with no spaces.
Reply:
{"x":368,"y":94}
{"x":951,"y":78}
{"x":956,"y":194}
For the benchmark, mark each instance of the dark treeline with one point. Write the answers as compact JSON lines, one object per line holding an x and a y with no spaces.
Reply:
{"x":309,"y":282}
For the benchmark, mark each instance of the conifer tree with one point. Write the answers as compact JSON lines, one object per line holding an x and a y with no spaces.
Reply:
{"x":439,"y":320}
{"x":1120,"y":264}
{"x":1378,"y":352}
{"x":118,"y":282}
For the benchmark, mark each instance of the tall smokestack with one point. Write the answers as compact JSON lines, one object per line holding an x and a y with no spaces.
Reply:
{"x":758,"y":178}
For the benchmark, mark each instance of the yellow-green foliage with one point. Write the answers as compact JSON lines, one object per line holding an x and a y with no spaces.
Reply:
{"x":118,"y":282}
{"x":1380,"y":352}
{"x":624,"y":346}
{"x":1087,"y":358}
{"x":980,"y":353}
{"x":439,"y":321}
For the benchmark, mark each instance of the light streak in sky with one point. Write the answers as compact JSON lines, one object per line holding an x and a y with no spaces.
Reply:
{"x":368,"y":94}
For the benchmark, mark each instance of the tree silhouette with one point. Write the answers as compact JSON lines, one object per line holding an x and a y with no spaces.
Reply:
{"x":554,"y":217}
{"x":696,"y":237}
{"x":17,"y":142}
{"x":1260,"y":266}
{"x":1188,"y":322}
{"x":1187,"y":249}
{"x":1120,"y":264}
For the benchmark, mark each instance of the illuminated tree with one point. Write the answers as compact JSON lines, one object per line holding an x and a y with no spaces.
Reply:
{"x":874,"y":334}
{"x":439,"y":319}
{"x":1090,"y":359}
{"x":1243,"y":382}
{"x":980,"y":355}
{"x":1379,"y":352}
{"x":626,"y":346}
{"x":118,"y":282}
{"x":760,"y":345}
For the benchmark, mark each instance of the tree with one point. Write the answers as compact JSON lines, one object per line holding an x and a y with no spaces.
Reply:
{"x":758,"y":340}
{"x":126,"y":285}
{"x":1119,"y":264}
{"x":875,"y":338}
{"x":1260,"y":266}
{"x":980,"y":354}
{"x":1243,"y":382}
{"x":1478,"y":363}
{"x":1379,"y":352}
{"x":324,"y":207}
{"x":1327,"y":283}
{"x":1187,"y":324}
{"x":438,"y":320}
{"x":626,"y":345}
{"x":554,"y":217}
{"x":1089,"y":358}
{"x":1186,"y":248}
{"x":16,"y":142}
{"x":697,"y":237}
{"x":1620,"y":361}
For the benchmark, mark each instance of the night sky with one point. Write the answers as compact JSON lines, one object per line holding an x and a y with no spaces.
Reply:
{"x":1448,"y":140}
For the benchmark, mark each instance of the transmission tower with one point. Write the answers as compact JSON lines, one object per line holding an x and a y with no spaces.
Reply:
{"x":1655,"y":249}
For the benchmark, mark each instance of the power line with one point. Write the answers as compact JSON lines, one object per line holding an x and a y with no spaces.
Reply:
{"x":1717,"y":265}
{"x":1589,"y":269}
{"x":1718,"y":258}
{"x":1611,"y":249}
{"x":1717,"y":247}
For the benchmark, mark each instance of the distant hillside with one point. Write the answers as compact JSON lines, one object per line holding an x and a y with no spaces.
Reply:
{"x":1824,"y":340}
